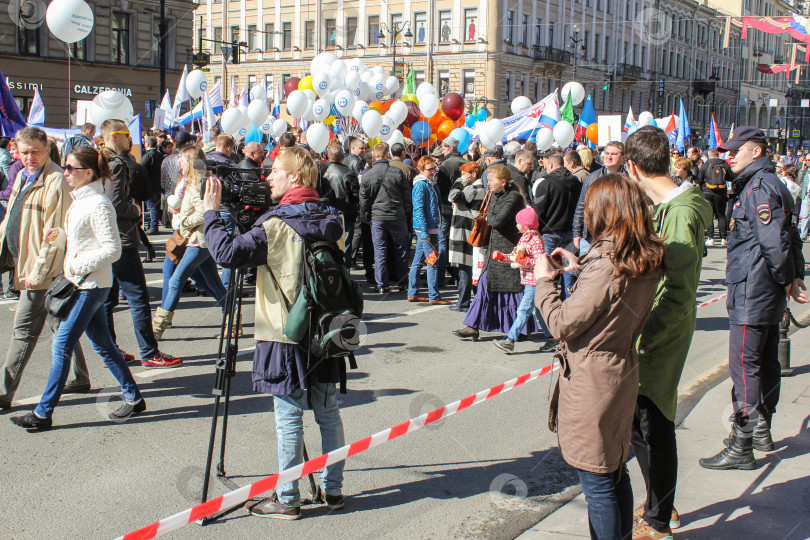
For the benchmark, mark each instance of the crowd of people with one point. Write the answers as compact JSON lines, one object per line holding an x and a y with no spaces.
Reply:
{"x":598,"y":252}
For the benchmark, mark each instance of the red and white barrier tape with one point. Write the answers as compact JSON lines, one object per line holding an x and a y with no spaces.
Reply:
{"x":713,"y":300}
{"x":239,"y":496}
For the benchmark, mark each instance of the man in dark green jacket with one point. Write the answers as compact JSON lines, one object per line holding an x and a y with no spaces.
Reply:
{"x":681,"y":216}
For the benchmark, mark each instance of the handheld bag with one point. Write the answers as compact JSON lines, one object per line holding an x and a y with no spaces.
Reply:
{"x":176,"y":247}
{"x":60,"y":296}
{"x":479,"y":237}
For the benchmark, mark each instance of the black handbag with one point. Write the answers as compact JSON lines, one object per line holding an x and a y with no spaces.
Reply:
{"x":60,"y":296}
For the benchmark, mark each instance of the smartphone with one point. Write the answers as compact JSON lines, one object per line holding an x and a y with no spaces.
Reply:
{"x":557,"y":262}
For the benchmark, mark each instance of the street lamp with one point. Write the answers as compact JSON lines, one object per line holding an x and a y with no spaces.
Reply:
{"x":394,"y":30}
{"x":576,"y":45}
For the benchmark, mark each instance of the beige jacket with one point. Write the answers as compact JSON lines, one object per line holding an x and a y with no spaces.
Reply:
{"x":45,"y":206}
{"x":192,"y":211}
{"x":598,"y":326}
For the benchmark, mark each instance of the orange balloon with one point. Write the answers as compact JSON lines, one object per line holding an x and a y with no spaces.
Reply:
{"x":592,"y":132}
{"x":444,"y":129}
{"x":377,"y":106}
{"x":460,"y":122}
{"x":406,"y":131}
{"x":387,"y":105}
{"x":436,"y":120}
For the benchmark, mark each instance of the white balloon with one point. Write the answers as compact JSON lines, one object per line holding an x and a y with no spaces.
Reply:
{"x":371,"y":123}
{"x":387,"y":128}
{"x":267,"y":125}
{"x":111,"y":104}
{"x":391,"y":85}
{"x":577,"y":92}
{"x":257,"y":112}
{"x":196,"y":83}
{"x":321,"y":62}
{"x":321,"y":82}
{"x":396,"y":137}
{"x":359,"y":109}
{"x":279,"y":128}
{"x":344,"y":102}
{"x":646,"y":119}
{"x":366,"y":76}
{"x":231,"y":121}
{"x":377,"y":82}
{"x":309,"y":115}
{"x":69,"y":20}
{"x":297,"y":103}
{"x":563,"y":133}
{"x":352,"y":80}
{"x":520,"y":104}
{"x":378,"y":71}
{"x":424,"y":88}
{"x":366,"y":92}
{"x":244,"y":126}
{"x":398,"y":112}
{"x":356,"y":66}
{"x":338,"y":72}
{"x":318,"y":137}
{"x":428,"y":104}
{"x":320,"y":110}
{"x":545,"y":138}
{"x":258,"y":92}
{"x":494,"y":130}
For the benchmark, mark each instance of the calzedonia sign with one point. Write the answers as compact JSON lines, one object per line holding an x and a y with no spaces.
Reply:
{"x":78,"y":88}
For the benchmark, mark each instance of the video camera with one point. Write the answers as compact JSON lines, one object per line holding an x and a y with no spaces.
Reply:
{"x":244,"y":189}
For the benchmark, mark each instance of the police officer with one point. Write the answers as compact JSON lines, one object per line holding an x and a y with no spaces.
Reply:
{"x":765,"y":265}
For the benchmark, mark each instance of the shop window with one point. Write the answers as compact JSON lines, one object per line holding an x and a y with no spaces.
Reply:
{"x":420,"y":26}
{"x":309,"y":34}
{"x":120,"y":37}
{"x":331,"y":33}
{"x":470,"y":20}
{"x":468,"y":82}
{"x":445,"y":32}
{"x":351,"y":31}
{"x":287,"y":36}
{"x":374,"y":30}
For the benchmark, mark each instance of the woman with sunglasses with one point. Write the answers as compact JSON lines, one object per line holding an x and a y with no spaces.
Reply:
{"x":92,"y":244}
{"x":427,"y":220}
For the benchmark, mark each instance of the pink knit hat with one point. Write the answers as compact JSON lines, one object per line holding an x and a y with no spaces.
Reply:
{"x":528,"y":218}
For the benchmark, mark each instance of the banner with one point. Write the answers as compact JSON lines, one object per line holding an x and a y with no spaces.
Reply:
{"x":215,"y":98}
{"x":545,"y":113}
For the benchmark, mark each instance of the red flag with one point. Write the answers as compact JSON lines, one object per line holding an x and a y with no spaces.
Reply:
{"x":671,"y":126}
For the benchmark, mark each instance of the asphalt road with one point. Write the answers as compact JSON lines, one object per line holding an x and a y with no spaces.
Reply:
{"x":489,"y":472}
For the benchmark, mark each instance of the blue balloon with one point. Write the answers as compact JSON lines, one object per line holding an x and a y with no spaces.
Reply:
{"x":482,"y":115}
{"x":253,"y":135}
{"x":470,"y":120}
{"x":463,"y":137}
{"x":420,"y":132}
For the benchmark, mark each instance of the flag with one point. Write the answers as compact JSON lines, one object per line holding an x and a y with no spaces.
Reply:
{"x":715,"y":139}
{"x":724,"y":155}
{"x":214,"y":97}
{"x":208,"y":119}
{"x":135,"y":132}
{"x":683,"y":130}
{"x":181,"y":95}
{"x":276,"y":111}
{"x":631,"y":120}
{"x":672,"y":129}
{"x":36,"y":116}
{"x":166,"y":105}
{"x":586,"y":118}
{"x":567,"y":112}
{"x":410,"y":83}
{"x":234,"y":94}
{"x":244,"y":98}
{"x":523,"y":125}
{"x":11,"y":119}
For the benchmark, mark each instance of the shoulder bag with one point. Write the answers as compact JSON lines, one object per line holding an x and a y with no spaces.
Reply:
{"x":176,"y":247}
{"x":61,"y":295}
{"x":479,"y":237}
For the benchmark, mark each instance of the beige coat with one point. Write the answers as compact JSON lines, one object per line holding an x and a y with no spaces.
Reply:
{"x":46,"y":206}
{"x":192,"y":211}
{"x":580,"y":173}
{"x":598,"y":326}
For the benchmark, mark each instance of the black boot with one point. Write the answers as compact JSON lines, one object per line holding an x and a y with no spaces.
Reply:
{"x":762,"y":434}
{"x":738,"y":455}
{"x":150,"y":253}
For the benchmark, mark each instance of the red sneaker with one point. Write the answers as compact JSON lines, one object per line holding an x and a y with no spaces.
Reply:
{"x":128,"y":358}
{"x":162,"y":361}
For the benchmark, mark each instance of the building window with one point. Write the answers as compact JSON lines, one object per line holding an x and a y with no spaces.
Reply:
{"x":269,"y":37}
{"x":510,"y":88}
{"x":79,"y":49}
{"x":217,"y":80}
{"x":331,"y":33}
{"x":550,"y":36}
{"x":217,"y":36}
{"x":309,"y":34}
{"x":470,"y":19}
{"x":268,"y":80}
{"x":28,"y":40}
{"x":120,"y":37}
{"x":635,"y":54}
{"x":510,"y":27}
{"x":444,"y":82}
{"x":597,"y":44}
{"x":599,"y":5}
{"x":524,"y":37}
{"x":419,"y":77}
{"x":608,"y":6}
{"x":252,"y":34}
{"x":445,"y":32}
{"x":396,"y":22}
{"x":374,"y":30}
{"x":468,"y":82}
{"x":234,"y":34}
{"x":351,"y":31}
{"x":251,"y":82}
{"x":286,"y":36}
{"x":420,"y":21}
{"x":643,"y":56}
{"x":538,"y":33}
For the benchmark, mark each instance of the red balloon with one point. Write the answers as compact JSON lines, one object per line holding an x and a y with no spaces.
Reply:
{"x":291,"y":85}
{"x":453,"y":106}
{"x":413,"y":113}
{"x":444,"y":130}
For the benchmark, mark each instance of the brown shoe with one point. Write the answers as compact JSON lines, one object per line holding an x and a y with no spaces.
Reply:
{"x":417,"y":299}
{"x":674,"y":519}
{"x":440,"y":303}
{"x":643,"y":530}
{"x":271,"y":507}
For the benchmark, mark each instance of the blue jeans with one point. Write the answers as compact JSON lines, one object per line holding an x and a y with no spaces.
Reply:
{"x":289,"y":411}
{"x":350,"y":239}
{"x":804,"y":221}
{"x":199,"y":259}
{"x":128,"y":271}
{"x":552,"y":241}
{"x":423,"y":249}
{"x":610,"y":503}
{"x":153,"y":204}
{"x":525,"y":309}
{"x":88,"y":315}
{"x":230,"y":226}
{"x":390,"y":236}
{"x":464,"y":286}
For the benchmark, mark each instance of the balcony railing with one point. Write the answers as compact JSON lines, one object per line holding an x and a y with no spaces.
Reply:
{"x":552,"y":55}
{"x":630,"y":70}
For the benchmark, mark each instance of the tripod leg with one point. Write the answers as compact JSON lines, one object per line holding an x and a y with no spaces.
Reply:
{"x":231,"y":353}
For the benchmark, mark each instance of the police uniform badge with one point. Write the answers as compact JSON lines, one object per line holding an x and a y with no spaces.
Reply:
{"x":764,"y":213}
{"x":731,"y":224}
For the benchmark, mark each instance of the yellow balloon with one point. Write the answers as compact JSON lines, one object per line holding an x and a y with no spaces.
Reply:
{"x":329,"y":120}
{"x":305,"y":82}
{"x":373,"y":141}
{"x":410,"y":97}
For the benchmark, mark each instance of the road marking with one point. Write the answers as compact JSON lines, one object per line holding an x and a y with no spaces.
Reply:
{"x":403,"y":314}
{"x":154,"y":372}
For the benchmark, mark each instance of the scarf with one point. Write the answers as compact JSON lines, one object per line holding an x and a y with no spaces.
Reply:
{"x":299,"y":195}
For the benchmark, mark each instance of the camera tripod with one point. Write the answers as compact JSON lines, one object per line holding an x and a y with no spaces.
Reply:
{"x":225,"y":369}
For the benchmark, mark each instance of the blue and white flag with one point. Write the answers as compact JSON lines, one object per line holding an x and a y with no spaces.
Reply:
{"x":181,"y":96}
{"x":683,"y":130}
{"x":545,"y":113}
{"x":166,"y":105}
{"x":11,"y":119}
{"x":36,"y":116}
{"x":276,"y":111}
{"x":215,"y":99}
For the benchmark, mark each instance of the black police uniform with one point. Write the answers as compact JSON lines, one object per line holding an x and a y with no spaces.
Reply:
{"x":764,"y":256}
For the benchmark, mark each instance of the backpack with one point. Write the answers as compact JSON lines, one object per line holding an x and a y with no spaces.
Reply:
{"x":716,"y":176}
{"x":140,"y":187}
{"x":325,"y":317}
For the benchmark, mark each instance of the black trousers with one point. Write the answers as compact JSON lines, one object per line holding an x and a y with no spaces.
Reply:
{"x":730,"y":200}
{"x":718,"y":204}
{"x":364,"y":242}
{"x":653,"y":443}
{"x":753,"y":364}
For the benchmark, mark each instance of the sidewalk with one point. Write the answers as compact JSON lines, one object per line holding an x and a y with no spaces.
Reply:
{"x":772,"y":501}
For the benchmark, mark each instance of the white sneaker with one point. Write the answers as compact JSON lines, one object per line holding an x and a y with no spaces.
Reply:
{"x":723,"y":242}
{"x":710,"y":241}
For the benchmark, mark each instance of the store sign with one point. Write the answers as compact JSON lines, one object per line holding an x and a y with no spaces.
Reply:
{"x":19,"y":85}
{"x":93,"y":90}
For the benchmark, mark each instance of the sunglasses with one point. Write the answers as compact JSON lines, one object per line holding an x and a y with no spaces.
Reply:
{"x":122,"y":133}
{"x":431,"y":169}
{"x":70,"y":168}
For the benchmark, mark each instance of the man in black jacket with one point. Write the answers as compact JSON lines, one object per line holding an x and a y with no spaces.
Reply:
{"x":128,"y":270}
{"x":341,"y":189}
{"x":555,"y":201}
{"x":385,"y":199}
{"x":222,"y":154}
{"x":448,"y":173}
{"x":254,"y":155}
{"x":152,"y":161}
{"x":356,"y":160}
{"x":712,"y":179}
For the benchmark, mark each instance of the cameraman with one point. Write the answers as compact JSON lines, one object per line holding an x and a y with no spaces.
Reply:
{"x":280,"y":365}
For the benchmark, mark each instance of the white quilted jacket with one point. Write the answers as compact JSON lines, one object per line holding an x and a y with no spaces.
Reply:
{"x":93,"y":241}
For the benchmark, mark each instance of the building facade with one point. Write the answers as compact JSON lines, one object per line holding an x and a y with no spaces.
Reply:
{"x":120,"y":53}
